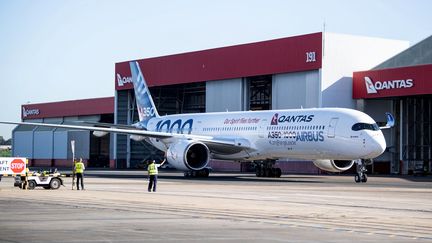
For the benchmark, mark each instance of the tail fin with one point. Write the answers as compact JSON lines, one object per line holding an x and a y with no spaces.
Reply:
{"x":145,"y":104}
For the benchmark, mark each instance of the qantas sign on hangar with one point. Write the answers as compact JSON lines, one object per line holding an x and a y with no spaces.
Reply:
{"x":407,"y":92}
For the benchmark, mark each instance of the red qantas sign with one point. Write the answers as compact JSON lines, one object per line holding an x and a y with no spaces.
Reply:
{"x":292,"y":54}
{"x":404,"y":81}
{"x":68,"y":108}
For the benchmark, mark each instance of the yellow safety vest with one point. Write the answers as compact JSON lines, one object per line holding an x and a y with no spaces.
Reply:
{"x":152,"y":169}
{"x":79,"y":167}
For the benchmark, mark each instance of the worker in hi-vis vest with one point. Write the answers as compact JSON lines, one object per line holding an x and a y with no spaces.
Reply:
{"x":152,"y":169}
{"x":79,"y":172}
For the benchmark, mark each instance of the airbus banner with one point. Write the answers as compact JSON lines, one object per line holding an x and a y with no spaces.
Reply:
{"x":393,"y":82}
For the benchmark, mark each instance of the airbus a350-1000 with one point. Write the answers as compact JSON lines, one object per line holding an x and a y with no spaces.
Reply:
{"x":333,"y":138}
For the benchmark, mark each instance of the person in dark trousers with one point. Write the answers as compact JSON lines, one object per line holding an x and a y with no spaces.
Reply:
{"x":153,"y":172}
{"x":79,"y":172}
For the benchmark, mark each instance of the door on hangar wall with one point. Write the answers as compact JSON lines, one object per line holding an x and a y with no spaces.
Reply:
{"x":416,"y":133}
{"x":100,"y":146}
{"x":259,"y":89}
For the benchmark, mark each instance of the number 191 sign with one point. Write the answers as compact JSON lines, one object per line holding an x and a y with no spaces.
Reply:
{"x":12,"y":166}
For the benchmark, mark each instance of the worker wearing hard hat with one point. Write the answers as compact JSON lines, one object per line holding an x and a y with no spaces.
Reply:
{"x":79,"y":172}
{"x":153,"y":172}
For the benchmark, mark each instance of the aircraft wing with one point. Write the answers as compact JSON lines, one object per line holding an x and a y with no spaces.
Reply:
{"x":215,"y":144}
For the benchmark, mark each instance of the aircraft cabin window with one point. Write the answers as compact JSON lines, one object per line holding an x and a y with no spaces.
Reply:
{"x":365,"y":126}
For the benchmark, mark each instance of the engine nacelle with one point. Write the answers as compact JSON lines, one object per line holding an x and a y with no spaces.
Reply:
{"x":99,"y":133}
{"x":137,"y":138}
{"x":334,"y":165}
{"x":188,"y":155}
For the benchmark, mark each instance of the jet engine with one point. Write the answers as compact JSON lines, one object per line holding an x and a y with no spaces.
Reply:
{"x":188,"y":155}
{"x":334,"y":165}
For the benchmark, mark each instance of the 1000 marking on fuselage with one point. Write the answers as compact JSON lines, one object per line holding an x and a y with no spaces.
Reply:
{"x":177,"y":126}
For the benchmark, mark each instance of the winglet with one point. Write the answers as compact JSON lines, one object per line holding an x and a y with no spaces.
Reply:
{"x":390,"y":121}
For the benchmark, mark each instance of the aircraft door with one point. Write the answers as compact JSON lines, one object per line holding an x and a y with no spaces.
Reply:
{"x":332,"y":127}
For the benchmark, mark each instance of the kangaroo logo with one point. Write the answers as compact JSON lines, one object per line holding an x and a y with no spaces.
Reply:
{"x":370,"y":87}
{"x":274,"y":120}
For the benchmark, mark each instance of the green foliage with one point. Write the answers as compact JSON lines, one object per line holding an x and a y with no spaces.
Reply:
{"x":5,"y":153}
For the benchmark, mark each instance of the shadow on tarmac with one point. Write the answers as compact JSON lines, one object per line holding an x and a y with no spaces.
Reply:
{"x":221,"y":177}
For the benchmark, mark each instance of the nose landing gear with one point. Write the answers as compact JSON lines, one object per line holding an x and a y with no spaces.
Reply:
{"x":361,"y":170}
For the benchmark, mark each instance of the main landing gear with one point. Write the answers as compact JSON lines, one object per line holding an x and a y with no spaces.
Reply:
{"x":265,"y":169}
{"x":361,"y":170}
{"x":197,"y":173}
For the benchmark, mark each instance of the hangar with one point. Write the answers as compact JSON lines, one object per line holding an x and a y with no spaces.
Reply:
{"x":49,"y":147}
{"x":402,"y":85}
{"x":312,"y":70}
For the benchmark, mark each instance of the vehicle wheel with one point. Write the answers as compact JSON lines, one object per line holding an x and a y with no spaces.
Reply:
{"x":55,"y":183}
{"x":364,"y":178}
{"x":31,"y":185}
{"x":357,"y":178}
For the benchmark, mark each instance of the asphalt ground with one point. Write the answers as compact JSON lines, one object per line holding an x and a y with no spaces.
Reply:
{"x":116,"y":207}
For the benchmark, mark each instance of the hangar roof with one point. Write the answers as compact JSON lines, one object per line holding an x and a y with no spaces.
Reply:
{"x":96,"y":106}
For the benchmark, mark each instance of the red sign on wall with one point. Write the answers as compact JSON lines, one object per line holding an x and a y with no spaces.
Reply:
{"x":292,"y":54}
{"x":392,"y":82}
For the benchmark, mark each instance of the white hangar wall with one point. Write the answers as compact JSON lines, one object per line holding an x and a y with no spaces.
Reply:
{"x":344,"y":54}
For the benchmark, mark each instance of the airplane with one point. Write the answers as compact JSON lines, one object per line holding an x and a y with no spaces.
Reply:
{"x":333,"y":138}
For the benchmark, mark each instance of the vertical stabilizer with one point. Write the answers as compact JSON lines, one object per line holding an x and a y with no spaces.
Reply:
{"x":145,"y":104}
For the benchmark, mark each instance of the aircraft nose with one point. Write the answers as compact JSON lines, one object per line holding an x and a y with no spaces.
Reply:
{"x":378,"y":145}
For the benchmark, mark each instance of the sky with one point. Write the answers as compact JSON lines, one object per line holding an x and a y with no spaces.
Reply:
{"x":55,"y":50}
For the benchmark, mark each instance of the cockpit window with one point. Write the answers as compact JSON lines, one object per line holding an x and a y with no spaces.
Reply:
{"x":365,"y":126}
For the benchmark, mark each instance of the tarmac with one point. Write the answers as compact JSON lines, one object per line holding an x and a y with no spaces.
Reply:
{"x":116,"y":207}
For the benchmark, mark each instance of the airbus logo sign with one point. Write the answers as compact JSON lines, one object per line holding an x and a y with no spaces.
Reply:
{"x":121,"y":81}
{"x":375,"y":87}
{"x":32,"y":112}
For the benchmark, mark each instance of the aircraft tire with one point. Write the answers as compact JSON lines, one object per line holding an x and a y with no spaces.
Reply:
{"x":278,"y":172}
{"x":364,"y":178}
{"x":357,"y":178}
{"x":258,"y":172}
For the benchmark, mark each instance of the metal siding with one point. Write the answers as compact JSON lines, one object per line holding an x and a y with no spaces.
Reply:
{"x":224,"y":95}
{"x":312,"y":89}
{"x":23,"y":144}
{"x":82,"y":144}
{"x":61,"y":145}
{"x":122,"y":118}
{"x":261,"y":58}
{"x":290,"y":90}
{"x":43,"y":142}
